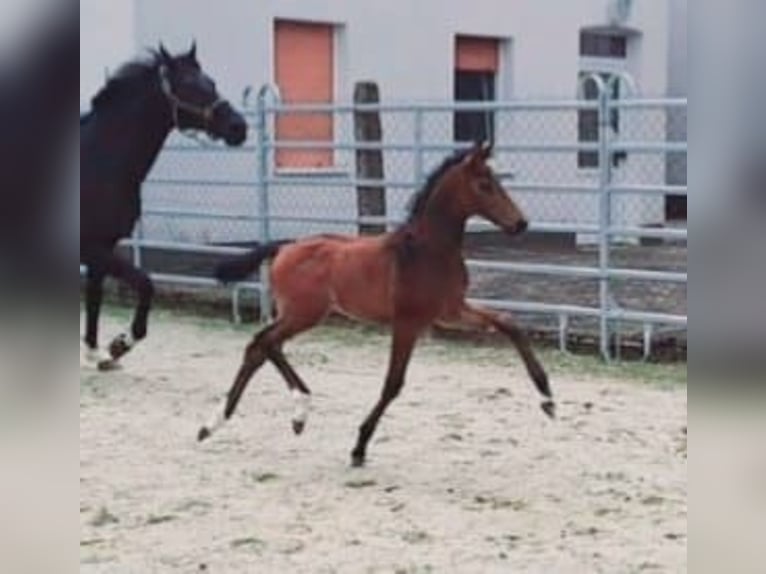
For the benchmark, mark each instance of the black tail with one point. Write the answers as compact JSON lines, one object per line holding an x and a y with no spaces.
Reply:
{"x":239,"y":267}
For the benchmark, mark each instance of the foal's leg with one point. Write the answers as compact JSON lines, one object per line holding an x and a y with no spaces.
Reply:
{"x":267,"y":344}
{"x":477,"y":317}
{"x":301,"y":393}
{"x":254,"y":357}
{"x":404,"y":338}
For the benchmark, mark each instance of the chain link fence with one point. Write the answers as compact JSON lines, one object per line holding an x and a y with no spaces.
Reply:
{"x":593,"y":176}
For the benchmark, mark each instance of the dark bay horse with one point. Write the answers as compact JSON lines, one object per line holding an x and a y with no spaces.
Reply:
{"x":411,"y":279}
{"x":119,"y":141}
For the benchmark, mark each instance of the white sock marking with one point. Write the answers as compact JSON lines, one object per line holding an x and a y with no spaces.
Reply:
{"x":302,"y":402}
{"x":216,"y":419}
{"x":128,"y":338}
{"x":96,"y":357}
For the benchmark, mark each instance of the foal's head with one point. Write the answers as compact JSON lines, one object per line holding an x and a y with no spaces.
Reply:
{"x":476,"y":190}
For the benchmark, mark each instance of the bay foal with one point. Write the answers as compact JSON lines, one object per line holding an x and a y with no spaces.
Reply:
{"x":411,"y":278}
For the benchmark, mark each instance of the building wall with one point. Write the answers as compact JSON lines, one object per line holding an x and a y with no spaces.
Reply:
{"x":107,"y":39}
{"x":408,"y":49}
{"x":677,"y":86}
{"x":677,"y":49}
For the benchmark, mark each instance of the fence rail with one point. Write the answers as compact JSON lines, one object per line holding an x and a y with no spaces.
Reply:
{"x":603,"y":182}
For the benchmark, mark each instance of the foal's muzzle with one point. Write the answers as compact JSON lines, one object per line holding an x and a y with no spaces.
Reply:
{"x":520,"y":227}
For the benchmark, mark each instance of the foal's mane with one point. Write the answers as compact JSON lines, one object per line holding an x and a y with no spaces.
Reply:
{"x":417,"y":203}
{"x":126,"y":78}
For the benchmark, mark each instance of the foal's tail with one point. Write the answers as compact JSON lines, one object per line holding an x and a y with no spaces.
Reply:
{"x":239,"y":267}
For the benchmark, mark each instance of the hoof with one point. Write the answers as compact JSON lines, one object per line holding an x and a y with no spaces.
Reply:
{"x":549,"y":408}
{"x":120,"y":346}
{"x":98,"y":359}
{"x":203,"y":434}
{"x":298,"y":427}
{"x":106,"y":365}
{"x":357,"y":460}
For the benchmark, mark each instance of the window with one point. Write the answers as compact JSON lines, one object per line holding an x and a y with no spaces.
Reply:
{"x":304,"y":72}
{"x":587,"y":123}
{"x":598,"y":45}
{"x":602,"y":54}
{"x":476,"y":66}
{"x":474,"y":87}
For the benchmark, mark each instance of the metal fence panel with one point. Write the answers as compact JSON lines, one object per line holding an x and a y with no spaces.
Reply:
{"x":609,"y":194}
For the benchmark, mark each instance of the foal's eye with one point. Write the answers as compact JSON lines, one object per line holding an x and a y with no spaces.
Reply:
{"x":485,"y":186}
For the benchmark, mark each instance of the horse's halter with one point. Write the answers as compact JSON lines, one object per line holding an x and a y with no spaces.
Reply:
{"x":205,"y":113}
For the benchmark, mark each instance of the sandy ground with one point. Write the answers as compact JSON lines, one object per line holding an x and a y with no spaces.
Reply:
{"x":464,"y":475}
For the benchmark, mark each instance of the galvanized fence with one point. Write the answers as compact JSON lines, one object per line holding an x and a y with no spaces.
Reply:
{"x":595,"y":168}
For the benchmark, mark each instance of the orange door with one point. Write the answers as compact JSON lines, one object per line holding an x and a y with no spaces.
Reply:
{"x":476,"y":54}
{"x":304,"y":73}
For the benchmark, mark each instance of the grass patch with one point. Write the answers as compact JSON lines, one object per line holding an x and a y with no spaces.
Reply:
{"x":665,"y":375}
{"x":337,"y":333}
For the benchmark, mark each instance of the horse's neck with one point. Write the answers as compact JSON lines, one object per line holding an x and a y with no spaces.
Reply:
{"x":443,"y":225}
{"x":138,"y":135}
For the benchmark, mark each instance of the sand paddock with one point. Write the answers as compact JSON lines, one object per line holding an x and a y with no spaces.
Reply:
{"x":465,"y":473}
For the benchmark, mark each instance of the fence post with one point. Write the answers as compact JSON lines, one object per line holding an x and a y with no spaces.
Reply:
{"x":262,"y":174}
{"x":417,"y":140}
{"x":605,"y":220}
{"x":370,"y":199}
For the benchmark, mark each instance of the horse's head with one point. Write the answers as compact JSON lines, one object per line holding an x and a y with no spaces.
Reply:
{"x":194,"y":99}
{"x":480,"y":192}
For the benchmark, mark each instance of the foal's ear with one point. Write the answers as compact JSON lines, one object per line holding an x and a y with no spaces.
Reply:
{"x":486,"y":150}
{"x":475,"y":158}
{"x":192,"y":55}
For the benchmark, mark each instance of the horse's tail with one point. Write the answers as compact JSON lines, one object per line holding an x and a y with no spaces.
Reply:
{"x":239,"y":267}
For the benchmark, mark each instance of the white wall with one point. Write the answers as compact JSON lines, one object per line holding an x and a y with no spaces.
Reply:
{"x":677,"y":51}
{"x":407,"y":47}
{"x":107,"y":39}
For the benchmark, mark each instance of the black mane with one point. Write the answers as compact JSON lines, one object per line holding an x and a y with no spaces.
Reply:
{"x":126,"y":78}
{"x":418,"y":201}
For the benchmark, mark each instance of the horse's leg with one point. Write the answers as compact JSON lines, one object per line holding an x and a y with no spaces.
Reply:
{"x":301,"y":393}
{"x":404,"y":337}
{"x":265,"y":345}
{"x":477,"y":317}
{"x":139,"y":281}
{"x":94,"y":293}
{"x":109,"y":263}
{"x":254,"y":357}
